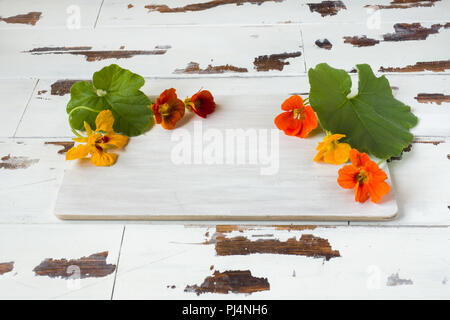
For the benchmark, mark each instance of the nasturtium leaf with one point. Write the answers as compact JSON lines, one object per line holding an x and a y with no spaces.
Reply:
{"x":373,"y":120}
{"x":115,"y":89}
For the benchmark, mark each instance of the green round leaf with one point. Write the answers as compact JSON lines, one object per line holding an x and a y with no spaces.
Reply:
{"x":373,"y":120}
{"x":116,"y":89}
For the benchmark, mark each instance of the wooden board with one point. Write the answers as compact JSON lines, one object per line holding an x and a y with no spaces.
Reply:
{"x":150,"y":181}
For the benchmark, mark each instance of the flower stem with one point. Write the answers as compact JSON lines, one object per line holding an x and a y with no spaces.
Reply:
{"x":76,"y":132}
{"x":78,"y":108}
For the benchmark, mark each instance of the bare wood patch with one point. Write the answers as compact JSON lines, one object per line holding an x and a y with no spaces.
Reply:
{"x":411,"y":31}
{"x":12,"y":163}
{"x":435,"y":66}
{"x":274,"y":61}
{"x":130,"y":6}
{"x":327,"y":8}
{"x":30,"y":18}
{"x":54,"y":49}
{"x":194,"y":68}
{"x":98,"y":55}
{"x":404,"y":4}
{"x":308,"y":245}
{"x":230,"y":281}
{"x":65,"y":144}
{"x":395,"y":280}
{"x":204,"y":5}
{"x":62,"y":87}
{"x":437,"y":98}
{"x":295,"y":227}
{"x":435,"y":142}
{"x":403,"y":32}
{"x":40,"y":92}
{"x":6,"y":267}
{"x":94,"y":266}
{"x":228,"y":228}
{"x":324,"y":44}
{"x":361,"y":41}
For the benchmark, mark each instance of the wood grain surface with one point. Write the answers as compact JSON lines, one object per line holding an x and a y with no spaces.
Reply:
{"x":47,"y":45}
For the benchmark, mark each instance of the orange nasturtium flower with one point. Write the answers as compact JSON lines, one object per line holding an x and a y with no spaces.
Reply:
{"x":331,"y":151}
{"x":202,"y":103}
{"x":168,"y":109}
{"x":365,"y":177}
{"x":98,"y":141}
{"x":297,"y":120}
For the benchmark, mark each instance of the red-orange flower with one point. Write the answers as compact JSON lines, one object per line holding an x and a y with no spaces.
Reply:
{"x":202,"y":103}
{"x":168,"y":109}
{"x":297,"y":120}
{"x":365,"y":177}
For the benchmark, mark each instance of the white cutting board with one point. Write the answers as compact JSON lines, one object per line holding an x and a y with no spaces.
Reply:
{"x":149,"y":183}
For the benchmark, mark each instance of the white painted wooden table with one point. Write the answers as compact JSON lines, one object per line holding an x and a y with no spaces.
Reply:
{"x":45,"y":43}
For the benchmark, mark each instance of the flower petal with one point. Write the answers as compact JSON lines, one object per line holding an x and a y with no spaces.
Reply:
{"x":361,"y":192}
{"x":203,"y":103}
{"x":347,"y":175}
{"x":292,"y":103}
{"x":104,"y":121}
{"x":341,"y":153}
{"x":378,"y":190}
{"x":319,"y":156}
{"x":358,"y":159}
{"x":286,"y":122}
{"x":78,"y":152}
{"x":117,"y":140}
{"x":309,"y":122}
{"x":81,"y":139}
{"x":88,"y":128}
{"x":103,"y":159}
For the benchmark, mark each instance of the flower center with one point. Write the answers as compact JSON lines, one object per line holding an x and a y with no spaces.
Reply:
{"x":362,"y":177}
{"x":105,"y":139}
{"x":165,"y":109}
{"x":297,"y":113}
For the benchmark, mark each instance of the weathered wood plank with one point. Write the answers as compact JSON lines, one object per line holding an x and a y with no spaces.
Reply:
{"x":389,"y":263}
{"x":372,"y":12}
{"x":41,"y":14}
{"x":28,"y":185}
{"x":14,"y":95}
{"x":197,"y":12}
{"x":206,"y":12}
{"x":157,"y":51}
{"x":390,"y":48}
{"x":59,"y":262}
{"x":51,"y":96}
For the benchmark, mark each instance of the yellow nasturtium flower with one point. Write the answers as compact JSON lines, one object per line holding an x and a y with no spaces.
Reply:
{"x":98,"y":141}
{"x":332,"y":151}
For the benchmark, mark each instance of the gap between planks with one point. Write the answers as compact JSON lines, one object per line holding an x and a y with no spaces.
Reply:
{"x":118,"y":261}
